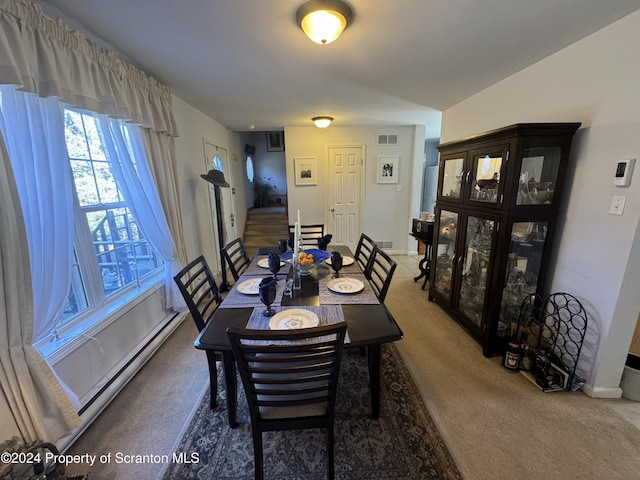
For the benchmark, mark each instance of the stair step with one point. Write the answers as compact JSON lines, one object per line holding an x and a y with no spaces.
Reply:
{"x":265,"y":230}
{"x":278,"y":223}
{"x":264,"y":227}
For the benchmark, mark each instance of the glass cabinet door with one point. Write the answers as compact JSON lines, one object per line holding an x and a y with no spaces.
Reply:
{"x":538,"y":175}
{"x":476,"y":259}
{"x":486,"y":177}
{"x":445,"y":253}
{"x":452,"y":177}
{"x":523,"y":269}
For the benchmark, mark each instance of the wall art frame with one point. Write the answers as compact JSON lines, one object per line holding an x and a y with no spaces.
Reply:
{"x":306,"y":170}
{"x":388,"y":169}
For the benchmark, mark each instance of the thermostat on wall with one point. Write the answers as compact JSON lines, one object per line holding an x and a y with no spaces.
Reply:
{"x":624,"y":170}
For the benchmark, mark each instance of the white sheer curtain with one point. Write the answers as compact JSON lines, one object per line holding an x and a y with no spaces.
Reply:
{"x":33,"y":130}
{"x":161,"y":152}
{"x":139,"y":190}
{"x":39,"y":406}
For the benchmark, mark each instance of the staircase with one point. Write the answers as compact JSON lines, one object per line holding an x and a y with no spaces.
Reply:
{"x":264,"y":227}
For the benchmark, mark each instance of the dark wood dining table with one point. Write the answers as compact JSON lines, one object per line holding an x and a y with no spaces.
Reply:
{"x":369,"y":324}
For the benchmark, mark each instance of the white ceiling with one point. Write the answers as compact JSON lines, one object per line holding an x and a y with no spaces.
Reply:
{"x":246,"y":62}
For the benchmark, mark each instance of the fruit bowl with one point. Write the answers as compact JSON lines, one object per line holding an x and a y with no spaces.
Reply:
{"x":307,"y":263}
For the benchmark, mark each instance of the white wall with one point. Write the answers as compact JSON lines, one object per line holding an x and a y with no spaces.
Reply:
{"x":387,"y":211}
{"x":594,"y":81}
{"x":198,"y":213}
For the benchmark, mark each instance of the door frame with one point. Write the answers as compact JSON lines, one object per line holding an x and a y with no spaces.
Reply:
{"x":206,"y":146}
{"x":327,"y":169}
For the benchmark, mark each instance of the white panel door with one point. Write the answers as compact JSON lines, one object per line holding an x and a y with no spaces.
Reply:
{"x":345,"y":195}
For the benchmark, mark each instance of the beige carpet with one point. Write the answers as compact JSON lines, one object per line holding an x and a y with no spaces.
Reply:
{"x":496,"y":424}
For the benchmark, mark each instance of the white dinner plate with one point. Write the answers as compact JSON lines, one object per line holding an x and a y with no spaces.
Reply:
{"x":345,"y":285}
{"x":346,"y":261}
{"x":250,"y":287}
{"x":294,"y":318}
{"x":264,"y":263}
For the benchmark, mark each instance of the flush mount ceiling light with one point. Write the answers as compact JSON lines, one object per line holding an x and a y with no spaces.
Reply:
{"x":322,"y":122}
{"x":324,"y":20}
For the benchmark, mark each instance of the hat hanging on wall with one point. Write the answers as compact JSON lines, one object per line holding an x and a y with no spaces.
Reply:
{"x":215,"y":177}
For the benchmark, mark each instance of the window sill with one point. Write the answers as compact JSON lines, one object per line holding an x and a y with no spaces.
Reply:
{"x":72,"y":337}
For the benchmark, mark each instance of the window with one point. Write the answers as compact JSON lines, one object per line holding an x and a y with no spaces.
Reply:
{"x":250,"y":168}
{"x":112,"y":255}
{"x":217,"y":164}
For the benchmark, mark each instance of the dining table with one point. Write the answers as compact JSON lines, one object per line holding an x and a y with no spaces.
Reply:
{"x":370,"y":324}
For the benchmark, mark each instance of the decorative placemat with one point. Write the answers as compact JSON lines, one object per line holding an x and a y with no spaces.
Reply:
{"x":347,"y":269}
{"x":255,"y":269}
{"x":328,"y":314}
{"x":235,"y":299}
{"x":327,"y":297}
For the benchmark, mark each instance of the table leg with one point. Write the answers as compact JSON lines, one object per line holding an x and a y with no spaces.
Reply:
{"x":231,"y":386}
{"x":374,"y":358}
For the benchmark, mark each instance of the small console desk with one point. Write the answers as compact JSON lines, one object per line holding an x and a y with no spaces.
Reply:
{"x":423,"y":232}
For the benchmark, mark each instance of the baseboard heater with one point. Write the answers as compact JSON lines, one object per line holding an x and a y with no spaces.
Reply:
{"x":115,"y":377}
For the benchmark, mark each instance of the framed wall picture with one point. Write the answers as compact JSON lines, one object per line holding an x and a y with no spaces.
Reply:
{"x":275,"y":141}
{"x":388,"y":169}
{"x":305,"y":170}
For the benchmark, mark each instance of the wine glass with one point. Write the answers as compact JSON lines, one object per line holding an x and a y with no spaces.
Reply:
{"x":274,"y":264}
{"x":282,"y":245}
{"x":323,"y":242}
{"x":267,"y":292}
{"x":336,"y":262}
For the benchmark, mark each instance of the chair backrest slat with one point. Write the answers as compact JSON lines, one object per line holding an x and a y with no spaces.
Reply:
{"x":309,"y":234}
{"x":288,"y":368}
{"x":364,"y":250}
{"x":380,"y":271}
{"x":199,"y":290}
{"x":235,"y":254}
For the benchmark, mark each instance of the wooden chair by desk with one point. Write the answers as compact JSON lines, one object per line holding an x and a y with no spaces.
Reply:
{"x":364,"y":250}
{"x":236,"y":257}
{"x":379,"y":271}
{"x":309,"y":234}
{"x":200,"y":293}
{"x":292,"y":385}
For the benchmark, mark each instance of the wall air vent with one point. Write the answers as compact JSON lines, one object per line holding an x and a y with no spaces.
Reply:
{"x":387,"y":139}
{"x":384,"y":243}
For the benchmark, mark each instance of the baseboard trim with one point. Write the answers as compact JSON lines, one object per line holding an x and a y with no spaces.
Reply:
{"x":600,"y":392}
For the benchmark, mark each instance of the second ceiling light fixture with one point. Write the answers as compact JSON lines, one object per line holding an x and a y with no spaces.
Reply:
{"x":324,"y":20}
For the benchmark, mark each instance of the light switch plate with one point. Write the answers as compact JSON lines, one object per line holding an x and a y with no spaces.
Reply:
{"x":617,"y":204}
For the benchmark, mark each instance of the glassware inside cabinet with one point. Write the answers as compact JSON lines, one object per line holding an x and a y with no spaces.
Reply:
{"x":445,"y":253}
{"x":523,"y":269}
{"x":477,"y":256}
{"x":538,"y":175}
{"x":487,"y":178}
{"x":452,"y":179}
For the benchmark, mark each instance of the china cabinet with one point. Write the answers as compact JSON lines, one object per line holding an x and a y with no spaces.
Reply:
{"x":496,"y":209}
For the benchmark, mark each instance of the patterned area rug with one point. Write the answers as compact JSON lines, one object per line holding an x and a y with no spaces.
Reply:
{"x":403,"y":443}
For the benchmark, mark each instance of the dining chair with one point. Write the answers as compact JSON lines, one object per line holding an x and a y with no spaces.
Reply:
{"x":364,"y":249}
{"x":201,"y":294}
{"x":309,"y":234}
{"x":235,"y":254}
{"x":379,"y":271}
{"x":290,"y":379}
